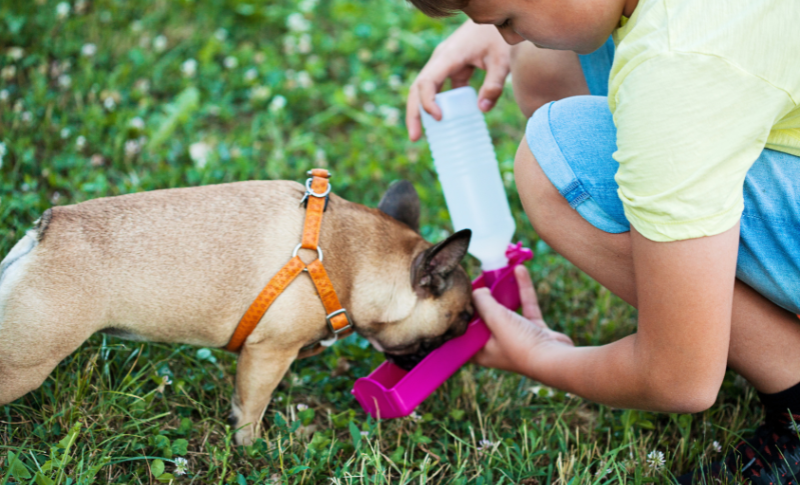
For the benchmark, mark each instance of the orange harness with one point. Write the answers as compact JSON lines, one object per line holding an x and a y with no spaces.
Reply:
{"x":338,"y":320}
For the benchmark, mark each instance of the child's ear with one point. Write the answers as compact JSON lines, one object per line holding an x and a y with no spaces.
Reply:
{"x":433,"y":267}
{"x":401,"y":201}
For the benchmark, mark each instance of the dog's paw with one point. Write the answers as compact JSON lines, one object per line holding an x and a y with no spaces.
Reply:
{"x":245,"y":436}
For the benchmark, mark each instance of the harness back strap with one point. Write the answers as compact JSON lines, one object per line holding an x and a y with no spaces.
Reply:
{"x":338,"y":320}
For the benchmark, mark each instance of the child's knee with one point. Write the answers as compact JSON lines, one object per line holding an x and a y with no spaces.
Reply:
{"x":540,"y":198}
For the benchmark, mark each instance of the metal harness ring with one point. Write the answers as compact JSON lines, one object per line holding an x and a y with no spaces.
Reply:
{"x":310,"y":191}
{"x":297,"y":248}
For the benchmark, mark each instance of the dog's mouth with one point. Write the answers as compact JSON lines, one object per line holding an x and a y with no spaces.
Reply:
{"x":408,"y":357}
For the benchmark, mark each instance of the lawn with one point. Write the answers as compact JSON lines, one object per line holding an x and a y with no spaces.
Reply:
{"x":107,"y":97}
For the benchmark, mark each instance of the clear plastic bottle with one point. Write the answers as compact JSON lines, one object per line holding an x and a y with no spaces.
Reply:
{"x":468,"y":171}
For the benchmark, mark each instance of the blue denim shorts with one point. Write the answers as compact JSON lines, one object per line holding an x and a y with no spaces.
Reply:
{"x":573,"y":140}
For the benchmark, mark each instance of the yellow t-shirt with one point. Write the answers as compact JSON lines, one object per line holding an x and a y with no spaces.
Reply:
{"x":698,"y":88}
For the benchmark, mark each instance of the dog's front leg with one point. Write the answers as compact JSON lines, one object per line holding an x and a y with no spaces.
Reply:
{"x":259,"y":370}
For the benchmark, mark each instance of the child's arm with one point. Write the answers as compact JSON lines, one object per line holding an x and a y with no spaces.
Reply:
{"x":674,"y":363}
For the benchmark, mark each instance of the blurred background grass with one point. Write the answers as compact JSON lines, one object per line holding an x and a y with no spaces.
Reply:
{"x":106,"y":97}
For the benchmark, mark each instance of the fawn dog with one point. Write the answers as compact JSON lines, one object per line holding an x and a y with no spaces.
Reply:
{"x":183,"y":265}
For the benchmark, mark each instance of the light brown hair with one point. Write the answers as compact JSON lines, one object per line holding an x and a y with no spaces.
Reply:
{"x":440,"y":8}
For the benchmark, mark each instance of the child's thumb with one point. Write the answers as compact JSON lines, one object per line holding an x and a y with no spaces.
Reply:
{"x":493,"y":313}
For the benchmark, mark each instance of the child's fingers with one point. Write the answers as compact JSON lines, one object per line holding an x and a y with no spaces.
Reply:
{"x":427,"y":96}
{"x":493,"y":83}
{"x":527,"y":294}
{"x":413,"y":122}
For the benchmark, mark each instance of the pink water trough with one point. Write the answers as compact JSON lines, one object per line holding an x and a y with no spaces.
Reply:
{"x":391,"y":392}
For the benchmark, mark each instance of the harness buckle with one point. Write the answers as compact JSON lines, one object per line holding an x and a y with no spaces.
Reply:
{"x":332,"y":340}
{"x":310,"y":193}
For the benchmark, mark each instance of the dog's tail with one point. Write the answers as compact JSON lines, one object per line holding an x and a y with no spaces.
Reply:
{"x":25,"y":245}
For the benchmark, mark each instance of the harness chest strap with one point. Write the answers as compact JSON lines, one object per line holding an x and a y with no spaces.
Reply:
{"x":338,"y":321}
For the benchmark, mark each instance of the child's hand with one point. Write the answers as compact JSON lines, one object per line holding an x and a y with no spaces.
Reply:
{"x":515,"y":339}
{"x":470,"y":46}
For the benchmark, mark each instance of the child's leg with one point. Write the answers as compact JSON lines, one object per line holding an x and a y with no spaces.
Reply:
{"x":577,"y":136}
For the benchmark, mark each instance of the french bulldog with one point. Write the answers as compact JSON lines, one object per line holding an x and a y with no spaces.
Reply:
{"x":183,"y":265}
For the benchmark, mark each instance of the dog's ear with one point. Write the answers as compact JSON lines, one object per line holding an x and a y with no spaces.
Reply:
{"x":401,"y":201}
{"x":432,"y":267}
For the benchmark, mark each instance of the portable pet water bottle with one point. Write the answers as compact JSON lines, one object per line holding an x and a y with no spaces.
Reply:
{"x":467,"y":168}
{"x":468,"y":171}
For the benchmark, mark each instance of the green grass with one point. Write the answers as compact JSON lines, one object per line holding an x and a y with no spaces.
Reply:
{"x":106,"y":414}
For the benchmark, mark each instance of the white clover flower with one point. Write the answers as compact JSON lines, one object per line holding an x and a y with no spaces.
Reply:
{"x":81,"y":6}
{"x":304,"y":79}
{"x":3,"y":151}
{"x":365,"y":434}
{"x":25,"y":187}
{"x":160,"y":43}
{"x":302,"y":407}
{"x":368,"y":86}
{"x":349,"y":92}
{"x":369,"y":107}
{"x":541,"y":391}
{"x":132,"y":148}
{"x":655,"y":460}
{"x":64,"y":81}
{"x":15,"y":53}
{"x":181,"y":466}
{"x":8,"y":72}
{"x":199,"y":153}
{"x":296,"y":22}
{"x":230,"y":62}
{"x":391,"y":115}
{"x":165,"y":380}
{"x":250,"y":74}
{"x":259,"y":58}
{"x":27,"y":117}
{"x":136,"y":26}
{"x":289,"y":44}
{"x":485,"y":445}
{"x":717,"y":447}
{"x":415,"y":417}
{"x":221,"y":34}
{"x":277,"y":104}
{"x":88,"y":50}
{"x":4,"y":95}
{"x":395,"y":82}
{"x":18,"y":106}
{"x":304,"y":45}
{"x":142,"y":85}
{"x":259,"y":93}
{"x":189,"y":68}
{"x":136,"y":123}
{"x":109,"y":103}
{"x":307,"y":5}
{"x":62,"y":10}
{"x":65,"y":132}
{"x":55,"y":197}
{"x":364,"y":55}
{"x":80,"y":142}
{"x":392,"y":45}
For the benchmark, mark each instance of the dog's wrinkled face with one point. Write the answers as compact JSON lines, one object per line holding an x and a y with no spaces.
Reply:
{"x":443,"y":306}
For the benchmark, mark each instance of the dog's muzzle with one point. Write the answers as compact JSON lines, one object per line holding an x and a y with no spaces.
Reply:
{"x":408,"y":361}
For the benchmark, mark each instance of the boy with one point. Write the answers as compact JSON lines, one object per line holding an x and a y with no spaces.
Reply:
{"x":686,"y":160}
